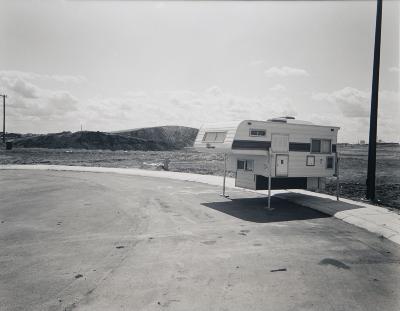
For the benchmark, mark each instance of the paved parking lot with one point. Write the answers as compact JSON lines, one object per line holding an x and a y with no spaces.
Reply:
{"x":97,"y":241}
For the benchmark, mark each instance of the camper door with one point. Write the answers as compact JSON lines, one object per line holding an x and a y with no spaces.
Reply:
{"x":280,"y":147}
{"x":282,"y":165}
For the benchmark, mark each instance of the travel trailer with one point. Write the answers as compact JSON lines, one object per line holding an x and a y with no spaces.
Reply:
{"x":281,"y":153}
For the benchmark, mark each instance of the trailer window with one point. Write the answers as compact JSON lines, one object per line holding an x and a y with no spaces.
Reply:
{"x":220,"y":138}
{"x":246,"y":165}
{"x":321,"y":146}
{"x":214,"y":137}
{"x":249,"y":165}
{"x":240,"y":165}
{"x":257,"y":132}
{"x":310,"y":160}
{"x":325,"y":146}
{"x":315,"y":145}
{"x":329,"y":162}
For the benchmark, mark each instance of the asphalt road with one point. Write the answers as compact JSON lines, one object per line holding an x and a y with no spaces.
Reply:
{"x":95,"y":241}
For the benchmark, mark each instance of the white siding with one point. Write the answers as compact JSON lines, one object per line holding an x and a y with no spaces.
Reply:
{"x":279,"y":143}
{"x":302,"y":133}
{"x":297,"y":159}
{"x":298,"y":167}
{"x":243,"y":131}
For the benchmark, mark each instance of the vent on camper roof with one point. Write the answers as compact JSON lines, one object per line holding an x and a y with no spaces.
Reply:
{"x":281,"y":119}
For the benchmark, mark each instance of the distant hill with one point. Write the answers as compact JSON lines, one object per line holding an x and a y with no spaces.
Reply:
{"x":175,"y":137}
{"x":155,"y":138}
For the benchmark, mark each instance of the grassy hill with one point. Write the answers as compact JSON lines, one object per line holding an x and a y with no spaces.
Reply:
{"x":155,"y":138}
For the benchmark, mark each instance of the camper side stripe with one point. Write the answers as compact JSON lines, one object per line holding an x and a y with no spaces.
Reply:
{"x":264,"y":145}
{"x":251,"y":144}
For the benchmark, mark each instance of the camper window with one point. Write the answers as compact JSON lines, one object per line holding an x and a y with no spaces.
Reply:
{"x":249,"y":165}
{"x":246,"y":165}
{"x":256,"y":132}
{"x":326,"y":146}
{"x":329,"y":162}
{"x":320,"y":145}
{"x":214,"y":137}
{"x":209,"y":136}
{"x":310,"y":160}
{"x":240,"y":165}
{"x":315,"y":145}
{"x":220,"y":138}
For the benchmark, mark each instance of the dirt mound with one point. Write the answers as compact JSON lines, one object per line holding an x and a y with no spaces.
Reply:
{"x":89,"y":140}
{"x":152,"y":139}
{"x":175,"y":137}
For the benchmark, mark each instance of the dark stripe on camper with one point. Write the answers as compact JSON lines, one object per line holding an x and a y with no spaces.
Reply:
{"x":251,"y":144}
{"x":299,"y":147}
{"x":333,"y":147}
{"x":281,"y":183}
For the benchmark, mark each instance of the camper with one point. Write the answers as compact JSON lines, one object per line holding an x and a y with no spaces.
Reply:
{"x":280,"y":153}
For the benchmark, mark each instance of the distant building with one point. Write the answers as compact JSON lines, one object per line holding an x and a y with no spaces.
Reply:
{"x":362,"y":142}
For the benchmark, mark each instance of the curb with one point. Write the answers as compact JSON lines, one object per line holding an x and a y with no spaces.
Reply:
{"x":372,"y":218}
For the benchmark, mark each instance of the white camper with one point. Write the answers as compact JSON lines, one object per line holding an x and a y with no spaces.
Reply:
{"x":281,"y":153}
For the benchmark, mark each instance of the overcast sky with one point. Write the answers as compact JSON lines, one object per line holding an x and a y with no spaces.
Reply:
{"x":112,"y":65}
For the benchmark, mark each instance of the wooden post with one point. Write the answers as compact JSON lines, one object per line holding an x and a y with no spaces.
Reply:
{"x":337,"y":177}
{"x":223,"y":183}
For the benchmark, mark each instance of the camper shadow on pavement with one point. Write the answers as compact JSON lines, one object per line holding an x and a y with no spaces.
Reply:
{"x":255,"y":210}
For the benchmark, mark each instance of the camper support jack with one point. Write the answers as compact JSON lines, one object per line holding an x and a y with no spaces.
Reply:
{"x":224,"y":180}
{"x":337,"y":177}
{"x":269,"y":178}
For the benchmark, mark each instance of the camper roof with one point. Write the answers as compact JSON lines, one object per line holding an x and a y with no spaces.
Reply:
{"x":285,"y":119}
{"x":290,"y":120}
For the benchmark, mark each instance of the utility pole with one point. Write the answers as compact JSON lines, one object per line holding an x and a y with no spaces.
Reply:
{"x":374,"y":106}
{"x":4,"y":117}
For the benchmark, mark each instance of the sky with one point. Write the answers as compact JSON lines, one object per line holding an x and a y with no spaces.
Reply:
{"x":114,"y":65}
